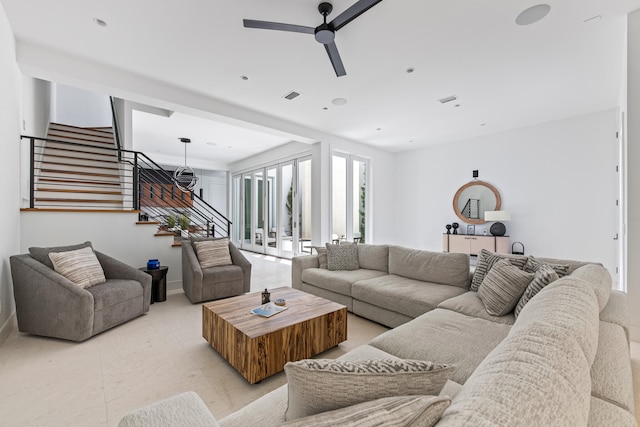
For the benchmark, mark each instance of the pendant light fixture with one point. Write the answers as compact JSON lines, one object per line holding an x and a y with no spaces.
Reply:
{"x":184,"y":176}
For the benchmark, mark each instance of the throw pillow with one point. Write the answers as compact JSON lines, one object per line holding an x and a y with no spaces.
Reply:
{"x":486,"y":260}
{"x":80,"y":266}
{"x":342,"y":257}
{"x":533,"y":265}
{"x":322,"y":256}
{"x":502,"y":287}
{"x":320,"y":385}
{"x":389,"y":412}
{"x":212,"y":253}
{"x":544,"y":275}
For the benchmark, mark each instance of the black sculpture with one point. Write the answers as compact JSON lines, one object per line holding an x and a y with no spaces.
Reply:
{"x":448,"y":227}
{"x":455,"y":226}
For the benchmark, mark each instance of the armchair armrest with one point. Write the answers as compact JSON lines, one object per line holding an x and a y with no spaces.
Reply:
{"x":298,"y":265}
{"x":191,"y":272}
{"x":49,"y":304}
{"x":240,"y":260}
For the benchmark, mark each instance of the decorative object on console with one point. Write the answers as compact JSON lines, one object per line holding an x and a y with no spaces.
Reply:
{"x":448,"y":227}
{"x":471,"y":230}
{"x":266,"y":296}
{"x":497,"y":228}
{"x":473,"y":199}
{"x":455,"y":226}
{"x":519,"y":251}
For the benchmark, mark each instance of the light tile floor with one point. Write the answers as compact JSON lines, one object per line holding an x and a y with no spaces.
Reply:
{"x":50,"y":382}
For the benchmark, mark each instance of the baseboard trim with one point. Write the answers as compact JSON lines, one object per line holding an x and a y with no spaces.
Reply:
{"x":8,"y":327}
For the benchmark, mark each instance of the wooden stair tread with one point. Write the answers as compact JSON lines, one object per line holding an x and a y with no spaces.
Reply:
{"x":63,"y":209}
{"x":164,"y":233}
{"x":54,"y":199}
{"x":110,"y":175}
{"x":111,"y":158}
{"x":77,"y":181}
{"x":68,"y":190}
{"x":76,"y":165}
{"x":147,"y":222}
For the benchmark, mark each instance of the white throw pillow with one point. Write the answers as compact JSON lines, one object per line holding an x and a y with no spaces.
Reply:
{"x":80,"y":266}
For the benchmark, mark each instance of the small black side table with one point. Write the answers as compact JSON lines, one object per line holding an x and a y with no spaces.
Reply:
{"x":158,"y":283}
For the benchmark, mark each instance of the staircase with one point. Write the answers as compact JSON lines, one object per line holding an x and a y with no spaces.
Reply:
{"x":472,"y":209}
{"x":80,"y":171}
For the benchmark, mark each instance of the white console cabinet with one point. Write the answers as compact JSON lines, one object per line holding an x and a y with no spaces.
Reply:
{"x":471,"y":245}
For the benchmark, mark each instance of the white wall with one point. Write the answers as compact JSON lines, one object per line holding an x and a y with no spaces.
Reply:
{"x":556,"y":179}
{"x":10,"y":84}
{"x":77,"y":107}
{"x":115,"y":234}
{"x":633,"y":171}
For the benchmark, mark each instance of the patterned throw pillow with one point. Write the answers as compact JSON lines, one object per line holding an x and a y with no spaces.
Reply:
{"x":322,"y":256}
{"x":533,"y":265}
{"x":320,"y":385}
{"x":502,"y":287}
{"x":212,"y":253}
{"x":80,"y":266}
{"x":544,"y":275}
{"x":342,"y":257}
{"x":486,"y":260}
{"x":389,"y":412}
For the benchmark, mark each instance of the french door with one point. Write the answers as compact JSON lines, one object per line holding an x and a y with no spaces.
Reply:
{"x":272,"y":209}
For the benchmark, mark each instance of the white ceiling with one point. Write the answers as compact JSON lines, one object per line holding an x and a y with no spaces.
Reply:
{"x":504,"y":75}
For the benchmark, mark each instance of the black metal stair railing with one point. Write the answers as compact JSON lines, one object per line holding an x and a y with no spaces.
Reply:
{"x":72,"y":175}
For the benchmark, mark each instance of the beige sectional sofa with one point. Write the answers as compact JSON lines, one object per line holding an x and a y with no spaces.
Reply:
{"x":563,"y":361}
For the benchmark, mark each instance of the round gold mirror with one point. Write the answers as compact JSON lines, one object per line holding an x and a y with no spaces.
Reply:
{"x":473,"y":199}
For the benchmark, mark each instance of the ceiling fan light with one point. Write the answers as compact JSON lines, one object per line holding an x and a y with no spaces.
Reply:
{"x":324,"y":34}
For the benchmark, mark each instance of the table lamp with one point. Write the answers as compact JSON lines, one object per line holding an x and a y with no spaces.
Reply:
{"x":497,"y":228}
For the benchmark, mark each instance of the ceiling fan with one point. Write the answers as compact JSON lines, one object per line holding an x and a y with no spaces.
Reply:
{"x":324,"y":33}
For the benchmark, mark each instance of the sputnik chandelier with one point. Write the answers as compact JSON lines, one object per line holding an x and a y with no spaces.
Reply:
{"x":184,"y":176}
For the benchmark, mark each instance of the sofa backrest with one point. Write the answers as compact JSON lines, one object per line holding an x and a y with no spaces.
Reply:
{"x":541,"y":370}
{"x":374,"y":257}
{"x":598,"y":278}
{"x":446,"y":268}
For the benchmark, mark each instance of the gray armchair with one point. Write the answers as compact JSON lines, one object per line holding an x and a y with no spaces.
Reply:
{"x":214,"y":282}
{"x":49,"y":304}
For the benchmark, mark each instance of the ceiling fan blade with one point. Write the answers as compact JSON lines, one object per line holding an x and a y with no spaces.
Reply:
{"x":265,"y":25}
{"x":336,"y":61}
{"x":357,"y":9}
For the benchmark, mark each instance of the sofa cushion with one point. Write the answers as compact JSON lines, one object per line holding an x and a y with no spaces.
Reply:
{"x":403,"y":295}
{"x":213,"y":253}
{"x":320,"y":385}
{"x":610,"y":372}
{"x":42,"y":254}
{"x":342,"y":257}
{"x":617,"y":311}
{"x":533,"y":264}
{"x":544,"y":275}
{"x":374,"y":257}
{"x":536,"y":374}
{"x":185,"y":409}
{"x":470,"y":304}
{"x":268,"y":411}
{"x":435,"y":267}
{"x":81,"y":266}
{"x":337,"y":281}
{"x":222,"y":273}
{"x":598,"y":278}
{"x":113,"y":292}
{"x":602,"y":413}
{"x":502,"y":287}
{"x":397,"y":411}
{"x":486,"y":260}
{"x":445,"y":336}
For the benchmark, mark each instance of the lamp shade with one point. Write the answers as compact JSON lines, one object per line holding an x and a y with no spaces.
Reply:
{"x":497,"y":216}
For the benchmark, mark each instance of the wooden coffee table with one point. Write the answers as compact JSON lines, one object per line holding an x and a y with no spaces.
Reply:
{"x":258,"y":346}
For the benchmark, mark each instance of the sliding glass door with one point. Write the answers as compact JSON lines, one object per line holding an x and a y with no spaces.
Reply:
{"x":273,"y":207}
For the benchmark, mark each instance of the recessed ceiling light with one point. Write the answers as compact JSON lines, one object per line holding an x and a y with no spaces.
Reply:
{"x":483,"y":124}
{"x":211,"y":143}
{"x":410,"y":70}
{"x":339,"y":101}
{"x":99,"y":22}
{"x":378,"y":128}
{"x":325,"y":108}
{"x":533,"y":14}
{"x":244,"y":77}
